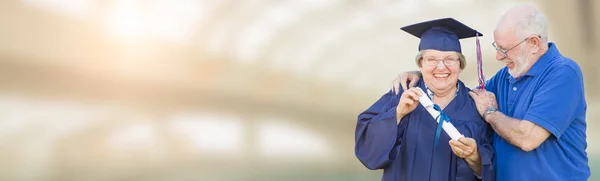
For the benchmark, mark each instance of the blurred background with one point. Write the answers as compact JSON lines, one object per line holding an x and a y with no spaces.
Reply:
{"x":227,"y":90}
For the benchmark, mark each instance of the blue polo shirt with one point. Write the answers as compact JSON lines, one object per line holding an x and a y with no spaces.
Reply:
{"x":551,"y":95}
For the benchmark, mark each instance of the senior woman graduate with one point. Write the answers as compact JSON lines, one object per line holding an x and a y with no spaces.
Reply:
{"x":398,"y":135}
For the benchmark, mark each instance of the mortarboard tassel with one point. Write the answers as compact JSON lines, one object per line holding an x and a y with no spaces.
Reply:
{"x":479,"y":64}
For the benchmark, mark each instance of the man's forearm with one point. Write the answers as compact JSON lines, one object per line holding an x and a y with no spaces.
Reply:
{"x":512,"y":130}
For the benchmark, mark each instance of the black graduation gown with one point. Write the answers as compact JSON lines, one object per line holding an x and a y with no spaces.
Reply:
{"x":406,"y":152}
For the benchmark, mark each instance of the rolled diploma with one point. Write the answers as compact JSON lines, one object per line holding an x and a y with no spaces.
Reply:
{"x":447,"y":126}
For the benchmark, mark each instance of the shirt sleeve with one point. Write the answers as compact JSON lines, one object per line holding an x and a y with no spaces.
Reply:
{"x":556,"y":101}
{"x":491,"y":84}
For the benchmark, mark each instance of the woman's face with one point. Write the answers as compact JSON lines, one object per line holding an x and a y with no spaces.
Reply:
{"x":440,"y":69}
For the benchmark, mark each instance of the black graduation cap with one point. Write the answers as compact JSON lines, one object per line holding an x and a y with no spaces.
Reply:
{"x":441,"y":34}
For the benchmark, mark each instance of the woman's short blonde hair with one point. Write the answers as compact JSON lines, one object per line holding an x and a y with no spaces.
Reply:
{"x":461,"y":59}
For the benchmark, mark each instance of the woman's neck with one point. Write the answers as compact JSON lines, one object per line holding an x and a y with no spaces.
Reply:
{"x":443,"y":97}
{"x":445,"y":93}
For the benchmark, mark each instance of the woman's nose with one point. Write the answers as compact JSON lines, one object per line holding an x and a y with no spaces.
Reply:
{"x":441,"y":65}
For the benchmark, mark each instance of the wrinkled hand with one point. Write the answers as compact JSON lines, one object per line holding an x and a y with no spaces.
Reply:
{"x":465,"y":148}
{"x":404,"y":78}
{"x":483,"y":100}
{"x":408,"y":102}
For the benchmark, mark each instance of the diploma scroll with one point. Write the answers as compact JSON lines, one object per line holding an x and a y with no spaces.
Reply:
{"x":447,"y":126}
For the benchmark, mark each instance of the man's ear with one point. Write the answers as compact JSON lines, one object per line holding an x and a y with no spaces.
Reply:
{"x":535,"y":43}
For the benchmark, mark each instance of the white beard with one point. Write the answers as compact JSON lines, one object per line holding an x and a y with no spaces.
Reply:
{"x":521,"y":63}
{"x":518,"y":69}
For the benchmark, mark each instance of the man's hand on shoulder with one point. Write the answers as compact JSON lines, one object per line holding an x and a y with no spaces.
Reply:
{"x":406,"y":80}
{"x":483,"y":100}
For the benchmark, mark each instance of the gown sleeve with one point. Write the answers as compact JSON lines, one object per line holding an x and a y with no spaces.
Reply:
{"x":486,"y":153}
{"x":376,"y":135}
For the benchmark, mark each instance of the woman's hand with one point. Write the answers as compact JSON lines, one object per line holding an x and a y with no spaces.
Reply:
{"x":466,"y":148}
{"x":408,"y":102}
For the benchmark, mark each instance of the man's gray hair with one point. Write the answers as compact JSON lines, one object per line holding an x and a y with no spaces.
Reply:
{"x":533,"y":23}
{"x":528,"y":21}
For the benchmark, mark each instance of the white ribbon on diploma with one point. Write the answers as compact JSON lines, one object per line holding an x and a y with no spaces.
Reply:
{"x":447,"y":126}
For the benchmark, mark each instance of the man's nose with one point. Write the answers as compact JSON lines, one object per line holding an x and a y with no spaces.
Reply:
{"x":499,"y":55}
